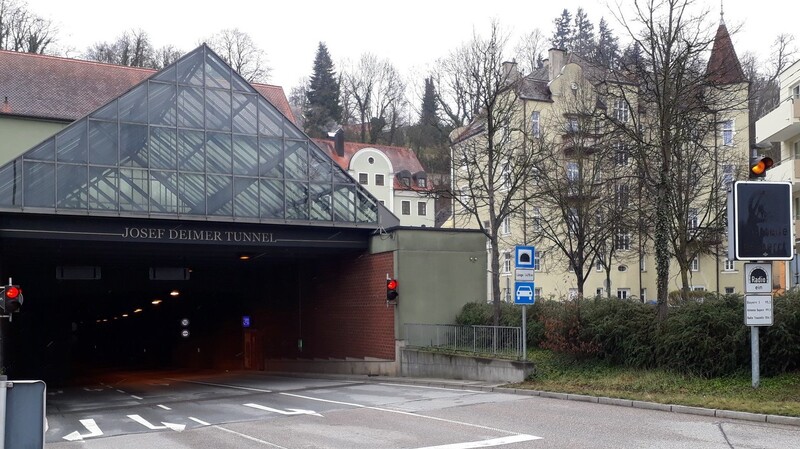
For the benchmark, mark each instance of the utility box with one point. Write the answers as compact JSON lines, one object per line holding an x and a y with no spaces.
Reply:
{"x":25,"y":414}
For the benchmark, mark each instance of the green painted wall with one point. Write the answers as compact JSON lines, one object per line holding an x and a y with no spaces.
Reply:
{"x":438,"y":272}
{"x":18,"y":135}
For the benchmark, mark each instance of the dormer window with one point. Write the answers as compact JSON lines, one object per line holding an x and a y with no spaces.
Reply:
{"x":422,"y":182}
{"x":406,"y":181}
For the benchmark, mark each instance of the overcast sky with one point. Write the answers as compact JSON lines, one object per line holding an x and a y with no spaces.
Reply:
{"x":410,"y":33}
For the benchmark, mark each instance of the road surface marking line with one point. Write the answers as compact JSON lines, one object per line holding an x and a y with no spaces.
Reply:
{"x":199,"y":421}
{"x":164,"y":407}
{"x":248,"y":437}
{"x":91,"y":426}
{"x":120,"y":391}
{"x":166,"y":425}
{"x":486,"y":443}
{"x":291,"y":411}
{"x":222,"y":385}
{"x":432,"y":388}
{"x":400,"y":412}
{"x":136,"y":397}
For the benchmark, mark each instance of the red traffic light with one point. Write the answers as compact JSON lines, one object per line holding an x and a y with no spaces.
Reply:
{"x":12,"y":292}
{"x":391,"y":289}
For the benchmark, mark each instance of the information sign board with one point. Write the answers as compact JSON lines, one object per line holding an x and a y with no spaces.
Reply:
{"x":758,"y":310}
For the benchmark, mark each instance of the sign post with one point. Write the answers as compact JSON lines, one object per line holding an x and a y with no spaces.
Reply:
{"x":524,"y":286}
{"x":757,"y":310}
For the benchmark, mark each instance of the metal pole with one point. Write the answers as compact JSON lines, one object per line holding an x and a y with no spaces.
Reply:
{"x":524,"y":337}
{"x":755,"y":368}
{"x":3,"y":385}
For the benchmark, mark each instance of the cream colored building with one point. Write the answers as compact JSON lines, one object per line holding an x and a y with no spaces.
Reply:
{"x":546,"y":95}
{"x":781,"y":127}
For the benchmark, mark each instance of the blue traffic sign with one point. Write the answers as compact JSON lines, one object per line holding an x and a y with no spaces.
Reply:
{"x":524,"y":293}
{"x":524,"y":256}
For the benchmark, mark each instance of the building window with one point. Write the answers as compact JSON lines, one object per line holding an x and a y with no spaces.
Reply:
{"x":730,"y":290}
{"x":622,"y":241}
{"x":536,"y":219}
{"x":730,"y":265}
{"x":695,"y":264}
{"x":797,"y":208}
{"x":537,"y":261}
{"x":642,"y":264}
{"x":727,"y":175}
{"x":406,"y":181}
{"x":698,"y":288}
{"x":573,"y":221}
{"x":535,"y":130}
{"x":623,"y":195}
{"x":507,"y":262}
{"x":422,"y":208}
{"x":505,"y":226}
{"x":505,"y":175}
{"x":599,"y":291}
{"x":363,"y":178}
{"x":623,"y":293}
{"x":621,"y":110}
{"x":379,"y":180}
{"x":643,"y":294}
{"x":621,"y":154}
{"x":537,"y":292}
{"x":422,"y":182}
{"x":797,"y":149}
{"x":572,"y":172}
{"x":406,"y":207}
{"x":572,"y":125}
{"x":693,"y":220}
{"x":796,"y":92}
{"x":727,"y":132}
{"x":598,"y":264}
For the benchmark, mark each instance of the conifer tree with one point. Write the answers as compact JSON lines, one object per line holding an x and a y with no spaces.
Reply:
{"x":562,"y":37}
{"x":607,"y":51}
{"x":583,"y":38}
{"x":323,"y":109}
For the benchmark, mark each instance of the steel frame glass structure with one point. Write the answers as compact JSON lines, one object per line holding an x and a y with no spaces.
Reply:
{"x":193,"y":141}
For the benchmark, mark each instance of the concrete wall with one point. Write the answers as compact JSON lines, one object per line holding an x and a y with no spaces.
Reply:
{"x":449,"y":366}
{"x":438,"y":270}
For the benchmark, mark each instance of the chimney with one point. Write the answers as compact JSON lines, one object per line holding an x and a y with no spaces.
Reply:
{"x":338,"y":141}
{"x":510,"y":72}
{"x":556,"y":58}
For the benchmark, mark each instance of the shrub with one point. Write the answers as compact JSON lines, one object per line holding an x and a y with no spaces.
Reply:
{"x":624,"y":331}
{"x":705,"y":339}
{"x":780,"y":343}
{"x":564,"y":330}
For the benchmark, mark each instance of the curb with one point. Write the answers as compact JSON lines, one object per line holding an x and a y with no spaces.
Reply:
{"x":498,"y":388}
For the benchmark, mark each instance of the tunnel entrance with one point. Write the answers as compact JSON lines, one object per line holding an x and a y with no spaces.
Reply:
{"x":133,"y":301}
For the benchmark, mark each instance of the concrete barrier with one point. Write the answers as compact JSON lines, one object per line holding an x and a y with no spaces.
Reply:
{"x":417,"y":363}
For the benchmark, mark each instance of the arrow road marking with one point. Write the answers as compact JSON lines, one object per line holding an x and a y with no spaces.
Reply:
{"x":292,"y":411}
{"x":91,"y":426}
{"x":167,"y":425}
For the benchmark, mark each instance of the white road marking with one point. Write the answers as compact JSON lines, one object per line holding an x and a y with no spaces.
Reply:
{"x":486,"y":443}
{"x":136,"y":397}
{"x":400,"y":412}
{"x":91,"y":426}
{"x":92,"y":389}
{"x":247,"y":437}
{"x":199,"y":421}
{"x":120,"y":391}
{"x":166,"y":425}
{"x":164,"y":407}
{"x":292,"y":411}
{"x":222,"y":385}
{"x":432,"y":388}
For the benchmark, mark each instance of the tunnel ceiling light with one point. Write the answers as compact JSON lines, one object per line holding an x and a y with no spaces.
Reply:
{"x":174,"y":293}
{"x":245,"y":256}
{"x":155,"y":301}
{"x":124,"y":315}
{"x":137,"y":311}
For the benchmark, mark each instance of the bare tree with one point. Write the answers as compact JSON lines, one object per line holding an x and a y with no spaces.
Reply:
{"x":23,"y":31}
{"x":374,"y":94}
{"x":529,"y":51}
{"x":132,"y":48}
{"x":765,"y":85}
{"x":492,"y":171}
{"x":674,"y":120}
{"x":239,"y":50}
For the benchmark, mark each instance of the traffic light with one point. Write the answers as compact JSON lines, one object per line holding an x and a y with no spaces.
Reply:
{"x":391,"y":289}
{"x":759,"y":166}
{"x":11,"y":298}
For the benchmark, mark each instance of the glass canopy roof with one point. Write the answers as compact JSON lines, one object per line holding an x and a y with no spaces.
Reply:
{"x":195,"y":140}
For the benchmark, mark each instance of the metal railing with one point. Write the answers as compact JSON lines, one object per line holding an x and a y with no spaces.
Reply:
{"x":497,"y":341}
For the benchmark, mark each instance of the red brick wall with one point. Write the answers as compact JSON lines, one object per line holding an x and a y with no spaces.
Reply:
{"x":345,"y":313}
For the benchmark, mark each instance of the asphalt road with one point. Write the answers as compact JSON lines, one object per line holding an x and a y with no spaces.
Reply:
{"x":253,"y":410}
